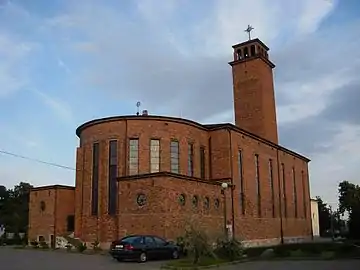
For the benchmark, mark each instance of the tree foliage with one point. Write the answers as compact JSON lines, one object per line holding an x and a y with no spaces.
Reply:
{"x":324,"y":216}
{"x":14,"y":207}
{"x":328,"y":216}
{"x":349,"y":201}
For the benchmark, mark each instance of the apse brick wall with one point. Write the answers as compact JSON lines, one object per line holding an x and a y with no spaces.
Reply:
{"x":145,"y":130}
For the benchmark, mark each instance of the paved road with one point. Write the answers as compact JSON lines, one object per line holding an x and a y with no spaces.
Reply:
{"x":12,"y":259}
{"x":17,"y":259}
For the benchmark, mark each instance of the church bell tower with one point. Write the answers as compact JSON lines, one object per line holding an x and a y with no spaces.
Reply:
{"x":253,"y":85}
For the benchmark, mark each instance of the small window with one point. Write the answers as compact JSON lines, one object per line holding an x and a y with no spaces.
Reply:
{"x":141,"y":199}
{"x":195,"y":201}
{"x":217,"y":203}
{"x":182,"y":199}
{"x":207,"y":203}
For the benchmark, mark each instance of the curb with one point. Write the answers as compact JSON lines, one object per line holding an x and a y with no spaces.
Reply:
{"x":254,"y":260}
{"x":204,"y":267}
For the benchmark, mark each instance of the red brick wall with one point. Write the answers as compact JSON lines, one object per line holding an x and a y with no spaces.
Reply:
{"x":223,"y":164}
{"x":254,"y":98}
{"x":65,"y":206}
{"x":41,"y":222}
{"x":163,"y":214}
{"x":59,"y":203}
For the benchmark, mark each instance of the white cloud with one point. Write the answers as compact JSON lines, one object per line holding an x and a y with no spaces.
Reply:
{"x":339,"y":164}
{"x":312,"y":13}
{"x":13,"y":55}
{"x":59,"y":107}
{"x":62,"y":65}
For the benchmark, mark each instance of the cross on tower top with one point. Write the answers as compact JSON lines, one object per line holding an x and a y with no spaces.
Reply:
{"x":248,"y":30}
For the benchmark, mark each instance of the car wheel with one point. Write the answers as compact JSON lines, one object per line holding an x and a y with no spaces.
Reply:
{"x":175,"y":254}
{"x":119,"y":259}
{"x":143,"y":257}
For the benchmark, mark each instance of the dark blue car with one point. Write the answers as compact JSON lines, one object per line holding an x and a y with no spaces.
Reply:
{"x":143,"y":248}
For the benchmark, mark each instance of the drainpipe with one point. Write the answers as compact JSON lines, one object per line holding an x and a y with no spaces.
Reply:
{"x":280,"y":199}
{"x":232,"y":183}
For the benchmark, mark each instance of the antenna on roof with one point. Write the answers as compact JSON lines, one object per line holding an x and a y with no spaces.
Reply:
{"x":138,"y":104}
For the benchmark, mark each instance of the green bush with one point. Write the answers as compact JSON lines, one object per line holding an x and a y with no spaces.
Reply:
{"x":81,"y":247}
{"x":229,"y":249}
{"x":96,"y":246}
{"x":196,"y":243}
{"x":180,"y":242}
{"x":297,"y":253}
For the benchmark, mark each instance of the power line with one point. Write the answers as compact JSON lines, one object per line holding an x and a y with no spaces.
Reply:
{"x":37,"y":160}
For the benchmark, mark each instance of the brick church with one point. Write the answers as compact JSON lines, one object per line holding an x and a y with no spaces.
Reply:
{"x":152,"y":174}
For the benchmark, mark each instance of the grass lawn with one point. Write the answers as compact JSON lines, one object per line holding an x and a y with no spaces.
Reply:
{"x":315,"y":250}
{"x":325,"y":250}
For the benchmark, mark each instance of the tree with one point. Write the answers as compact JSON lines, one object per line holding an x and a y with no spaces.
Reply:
{"x":14,"y":207}
{"x":349,"y":201}
{"x":324,"y":216}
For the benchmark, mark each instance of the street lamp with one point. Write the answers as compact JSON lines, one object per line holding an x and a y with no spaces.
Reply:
{"x":224,"y":186}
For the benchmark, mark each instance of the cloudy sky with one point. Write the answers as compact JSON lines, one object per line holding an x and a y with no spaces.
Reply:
{"x":63,"y":62}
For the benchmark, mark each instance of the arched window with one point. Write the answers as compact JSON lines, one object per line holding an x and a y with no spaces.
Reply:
{"x":239,"y":54}
{"x":246,"y":52}
{"x":252,"y":50}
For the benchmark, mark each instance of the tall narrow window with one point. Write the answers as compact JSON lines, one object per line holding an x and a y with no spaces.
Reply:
{"x":133,"y":156}
{"x":95,"y":180}
{"x":284,"y":189}
{"x":257,"y":179}
{"x":241,"y":182}
{"x":303,"y":191}
{"x":190,"y":159}
{"x":271,"y":180}
{"x":174,"y":156}
{"x":113,"y":160}
{"x":295,"y":193}
{"x":202,"y":162}
{"x":154,"y":156}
